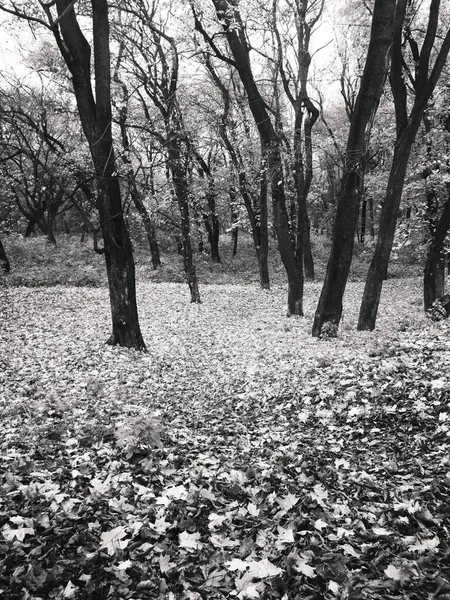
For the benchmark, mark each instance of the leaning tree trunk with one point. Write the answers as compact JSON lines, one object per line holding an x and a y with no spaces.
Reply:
{"x":388,"y":218}
{"x":234,"y":31}
{"x":4,"y":262}
{"x":329,"y":309}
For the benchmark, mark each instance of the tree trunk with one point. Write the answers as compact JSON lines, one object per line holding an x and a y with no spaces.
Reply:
{"x":262,"y":248}
{"x":96,"y":118}
{"x":329,"y":308}
{"x":234,"y":220}
{"x":149,"y":229}
{"x":362,"y":235}
{"x":4,"y":262}
{"x":180,"y":185}
{"x":30,"y":228}
{"x":235,"y":33}
{"x":434,"y":272}
{"x":259,"y":232}
{"x":407,"y":127}
{"x":388,"y":218}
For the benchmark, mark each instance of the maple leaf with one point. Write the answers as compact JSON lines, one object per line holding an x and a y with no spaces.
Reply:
{"x":165,"y":564}
{"x":287,"y":502}
{"x":302,"y":566}
{"x":397,"y":574}
{"x":190,"y":541}
{"x":113,"y":540}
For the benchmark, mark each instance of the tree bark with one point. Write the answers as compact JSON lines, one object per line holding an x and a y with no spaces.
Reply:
{"x":179,"y":180}
{"x":434,"y":271}
{"x":96,"y":117}
{"x":407,"y":127}
{"x":235,"y":34}
{"x":329,"y":309}
{"x":4,"y":262}
{"x":234,"y":220}
{"x":135,"y":196}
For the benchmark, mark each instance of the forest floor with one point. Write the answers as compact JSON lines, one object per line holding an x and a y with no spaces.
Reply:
{"x":238,"y":457}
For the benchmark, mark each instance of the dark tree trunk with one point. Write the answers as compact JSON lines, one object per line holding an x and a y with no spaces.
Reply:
{"x":180,"y":185}
{"x":407,"y":127}
{"x":329,"y":309}
{"x":96,"y":118}
{"x":388,"y":218}
{"x":30,"y":228}
{"x":372,"y":218}
{"x":235,"y":34}
{"x":4,"y":262}
{"x":308,"y":255}
{"x":262,"y":248}
{"x":363,"y":220}
{"x":434,"y":272}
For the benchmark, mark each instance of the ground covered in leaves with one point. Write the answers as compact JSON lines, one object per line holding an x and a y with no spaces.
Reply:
{"x":238,"y":458}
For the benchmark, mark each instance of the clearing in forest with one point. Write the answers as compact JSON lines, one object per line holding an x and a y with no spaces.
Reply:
{"x":239,"y":457}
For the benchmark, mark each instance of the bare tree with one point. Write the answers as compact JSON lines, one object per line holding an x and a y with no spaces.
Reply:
{"x":234,"y":31}
{"x":94,"y":107}
{"x":306,"y":15}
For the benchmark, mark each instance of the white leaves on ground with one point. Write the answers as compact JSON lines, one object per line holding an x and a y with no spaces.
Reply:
{"x":190,"y":541}
{"x":113,"y":540}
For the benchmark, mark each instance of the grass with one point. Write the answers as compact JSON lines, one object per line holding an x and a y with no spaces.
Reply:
{"x":35,"y":262}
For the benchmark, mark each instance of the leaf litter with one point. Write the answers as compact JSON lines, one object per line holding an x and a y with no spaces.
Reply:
{"x":238,"y":458}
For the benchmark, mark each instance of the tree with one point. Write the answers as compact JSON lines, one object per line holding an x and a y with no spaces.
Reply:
{"x":235,"y":34}
{"x":423,"y":79}
{"x":329,"y":309}
{"x":4,"y":262}
{"x":306,"y":15}
{"x":154,"y":62}
{"x":255,"y":201}
{"x":94,"y":108}
{"x":130,"y":173}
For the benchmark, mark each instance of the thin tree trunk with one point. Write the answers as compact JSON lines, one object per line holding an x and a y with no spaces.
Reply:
{"x":329,"y":309}
{"x":362,"y":234}
{"x":180,"y":185}
{"x":4,"y":262}
{"x":259,"y":233}
{"x":149,"y":229}
{"x":263,"y":246}
{"x":372,"y":218}
{"x":234,"y":220}
{"x":270,"y":143}
{"x":434,"y":272}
